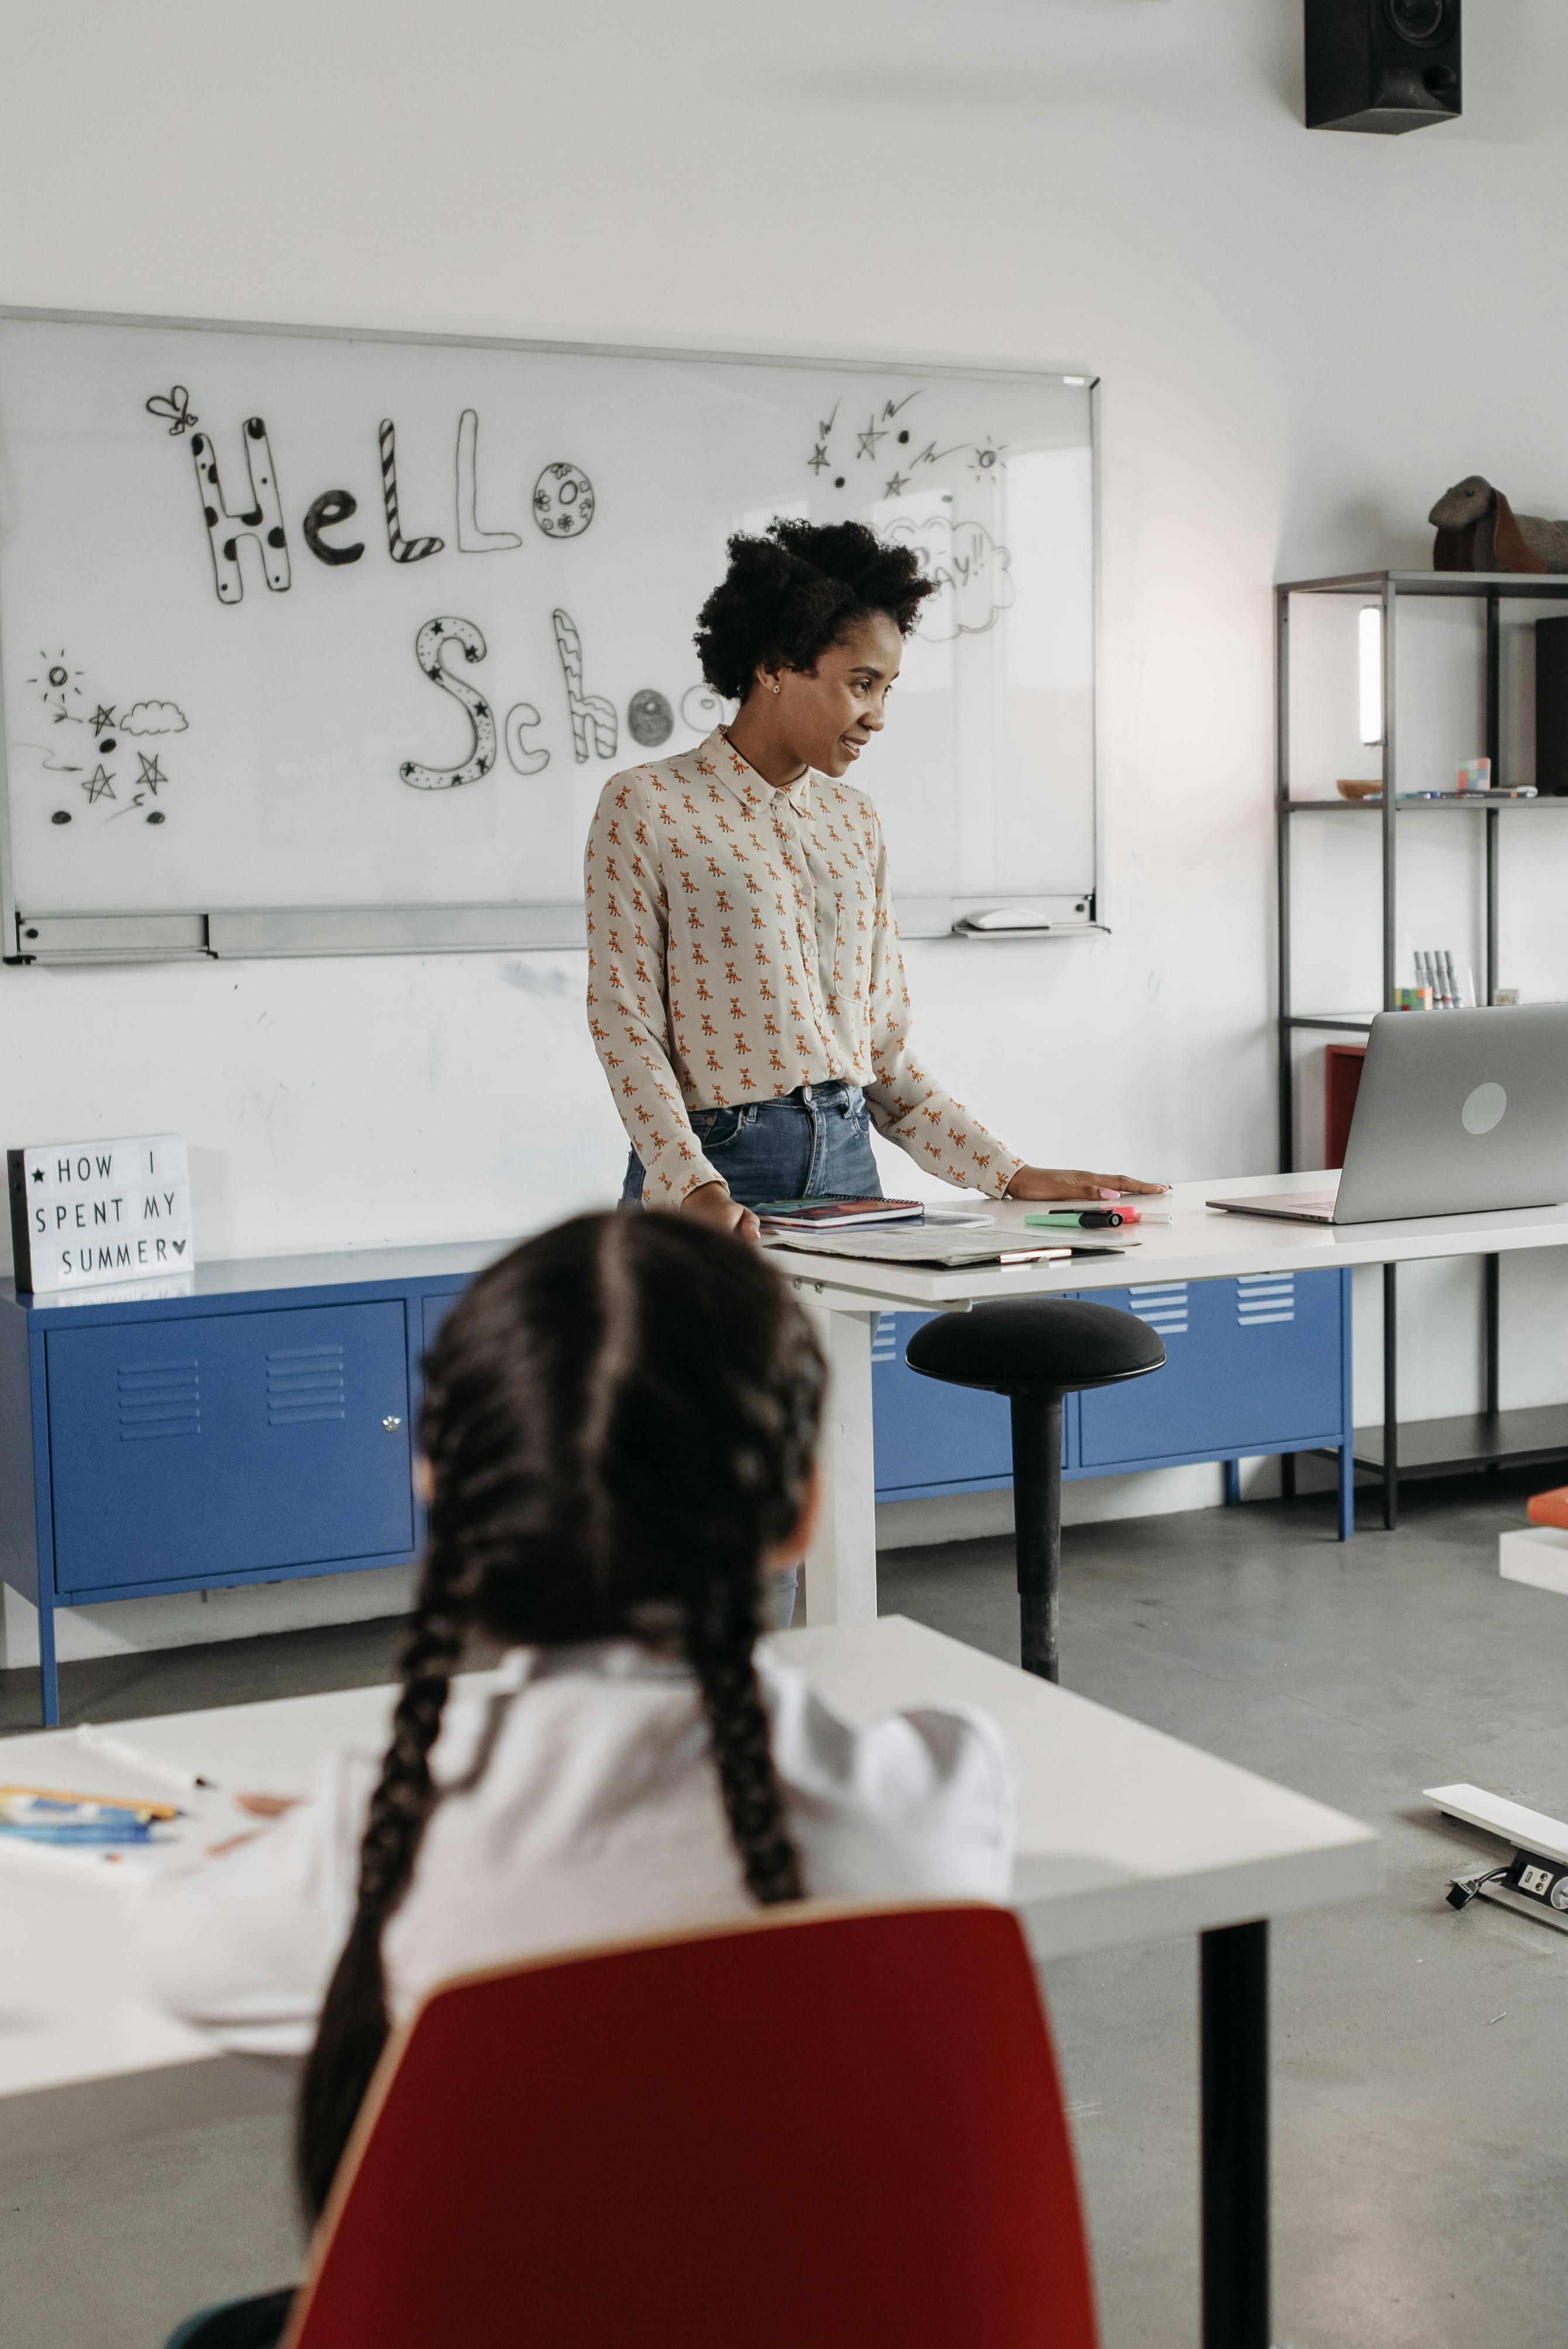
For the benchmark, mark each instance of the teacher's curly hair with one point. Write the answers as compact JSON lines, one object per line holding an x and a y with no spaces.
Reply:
{"x":789,"y":596}
{"x":620,"y":1420}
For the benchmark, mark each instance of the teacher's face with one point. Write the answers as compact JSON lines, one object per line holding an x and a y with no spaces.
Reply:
{"x":829,"y":714}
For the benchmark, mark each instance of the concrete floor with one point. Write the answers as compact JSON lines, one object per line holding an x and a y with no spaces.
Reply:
{"x":1421,"y":2144}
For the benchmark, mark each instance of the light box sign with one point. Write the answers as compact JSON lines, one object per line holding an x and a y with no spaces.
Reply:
{"x":83,"y":1212}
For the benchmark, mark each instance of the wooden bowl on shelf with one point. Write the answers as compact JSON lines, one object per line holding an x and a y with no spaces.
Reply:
{"x":1349,"y":789}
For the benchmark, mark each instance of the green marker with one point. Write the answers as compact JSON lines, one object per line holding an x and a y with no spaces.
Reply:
{"x":1078,"y":1220}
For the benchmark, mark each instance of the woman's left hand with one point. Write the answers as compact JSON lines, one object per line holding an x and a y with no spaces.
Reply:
{"x":1073,"y":1182}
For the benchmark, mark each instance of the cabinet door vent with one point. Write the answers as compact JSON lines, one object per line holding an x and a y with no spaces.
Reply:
{"x":1265,"y":1297}
{"x":1163,"y":1305}
{"x":884,"y":1339}
{"x":159,"y":1399}
{"x":305,"y":1383}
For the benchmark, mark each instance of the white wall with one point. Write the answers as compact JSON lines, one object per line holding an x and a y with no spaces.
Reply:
{"x":1303,"y":339}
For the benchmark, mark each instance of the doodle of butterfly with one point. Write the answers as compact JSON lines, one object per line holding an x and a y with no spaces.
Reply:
{"x":176,"y":403}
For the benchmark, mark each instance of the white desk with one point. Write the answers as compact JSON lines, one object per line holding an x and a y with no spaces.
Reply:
{"x":1124,"y":1835}
{"x":1199,"y":1244}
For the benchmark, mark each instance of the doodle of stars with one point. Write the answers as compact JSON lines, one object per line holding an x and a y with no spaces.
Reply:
{"x":100,"y":785}
{"x":103,"y":718}
{"x":151,"y":773}
{"x":868,"y":439}
{"x":897,"y":486}
{"x":819,"y":458}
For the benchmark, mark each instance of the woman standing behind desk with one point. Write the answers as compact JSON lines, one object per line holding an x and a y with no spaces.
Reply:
{"x":746,"y":990}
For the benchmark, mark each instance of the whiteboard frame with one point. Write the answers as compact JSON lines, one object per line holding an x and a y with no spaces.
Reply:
{"x":261,"y":932}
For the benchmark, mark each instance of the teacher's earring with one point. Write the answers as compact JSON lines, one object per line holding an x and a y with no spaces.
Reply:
{"x":776,"y":688}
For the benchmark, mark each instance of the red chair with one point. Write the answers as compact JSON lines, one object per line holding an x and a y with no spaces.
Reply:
{"x":821,"y":2127}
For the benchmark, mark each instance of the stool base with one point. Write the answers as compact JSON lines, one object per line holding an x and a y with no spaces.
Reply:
{"x":1037,"y":1527}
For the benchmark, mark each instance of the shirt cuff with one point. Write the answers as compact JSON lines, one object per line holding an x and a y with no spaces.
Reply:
{"x":671,"y":1179}
{"x":996,"y":1183}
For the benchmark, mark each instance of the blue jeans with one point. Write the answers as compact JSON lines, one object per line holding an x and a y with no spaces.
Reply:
{"x":808,"y":1144}
{"x":805,"y":1145}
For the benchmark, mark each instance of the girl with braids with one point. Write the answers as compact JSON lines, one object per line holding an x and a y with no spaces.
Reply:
{"x":746,"y":989}
{"x":619,"y":1431}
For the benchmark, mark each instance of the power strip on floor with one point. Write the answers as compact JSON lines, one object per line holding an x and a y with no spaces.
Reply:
{"x":1534,"y":1881}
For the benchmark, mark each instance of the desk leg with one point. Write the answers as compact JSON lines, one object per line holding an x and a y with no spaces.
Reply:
{"x":1493,"y":1338}
{"x":1235,"y":2061}
{"x":48,"y":1672}
{"x":1391,"y":1396}
{"x":841,"y":1563}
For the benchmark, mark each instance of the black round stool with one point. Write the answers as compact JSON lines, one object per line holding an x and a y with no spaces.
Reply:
{"x":1035,"y":1349}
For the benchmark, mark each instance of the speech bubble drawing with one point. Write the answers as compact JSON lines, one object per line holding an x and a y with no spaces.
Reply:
{"x":973,"y":574}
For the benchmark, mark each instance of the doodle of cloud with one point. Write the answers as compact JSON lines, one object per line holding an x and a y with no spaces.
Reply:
{"x":973,"y":574}
{"x":153,"y":717}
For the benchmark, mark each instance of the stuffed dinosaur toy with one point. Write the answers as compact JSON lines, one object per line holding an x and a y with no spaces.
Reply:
{"x":1478,"y":529}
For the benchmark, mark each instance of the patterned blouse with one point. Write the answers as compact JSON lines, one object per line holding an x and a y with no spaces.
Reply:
{"x":741,"y":942}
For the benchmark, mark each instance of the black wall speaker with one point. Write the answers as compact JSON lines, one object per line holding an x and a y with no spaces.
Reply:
{"x":1381,"y":64}
{"x":1552,"y":705}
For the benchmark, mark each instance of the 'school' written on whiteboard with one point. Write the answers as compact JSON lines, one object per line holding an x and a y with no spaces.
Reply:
{"x":316,"y":621}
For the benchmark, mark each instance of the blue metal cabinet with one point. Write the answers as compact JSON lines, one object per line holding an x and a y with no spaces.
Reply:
{"x":931,"y":1438}
{"x":1253,"y":1365}
{"x":251,"y":1423}
{"x":250,"y":1439}
{"x":239,"y":1430}
{"x":433,"y":1311}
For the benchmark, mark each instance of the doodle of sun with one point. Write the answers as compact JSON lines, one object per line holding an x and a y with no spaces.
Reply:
{"x":985,"y":458}
{"x":56,"y":683}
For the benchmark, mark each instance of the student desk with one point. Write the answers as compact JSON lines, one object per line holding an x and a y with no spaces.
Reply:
{"x":1124,"y":1835}
{"x":1199,"y":1244}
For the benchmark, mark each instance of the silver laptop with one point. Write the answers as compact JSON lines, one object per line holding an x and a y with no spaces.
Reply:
{"x":1459,"y":1113}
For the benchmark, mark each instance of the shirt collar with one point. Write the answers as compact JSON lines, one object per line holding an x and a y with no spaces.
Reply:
{"x":739,"y":777}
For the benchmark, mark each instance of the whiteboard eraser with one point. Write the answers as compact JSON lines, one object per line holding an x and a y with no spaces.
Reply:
{"x":1004,"y":918}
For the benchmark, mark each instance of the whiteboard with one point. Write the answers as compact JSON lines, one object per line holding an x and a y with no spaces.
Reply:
{"x":328,"y":642}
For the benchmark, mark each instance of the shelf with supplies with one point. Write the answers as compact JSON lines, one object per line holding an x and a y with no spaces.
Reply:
{"x":1447,"y":1444}
{"x":1484,"y":803}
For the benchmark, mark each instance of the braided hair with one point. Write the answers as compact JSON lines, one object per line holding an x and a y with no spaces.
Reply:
{"x":620,"y":1420}
{"x":789,"y":596}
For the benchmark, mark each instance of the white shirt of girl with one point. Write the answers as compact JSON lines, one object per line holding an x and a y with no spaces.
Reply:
{"x":580,"y":1803}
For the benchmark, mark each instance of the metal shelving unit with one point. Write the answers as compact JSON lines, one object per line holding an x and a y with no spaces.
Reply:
{"x":1490,"y":1437}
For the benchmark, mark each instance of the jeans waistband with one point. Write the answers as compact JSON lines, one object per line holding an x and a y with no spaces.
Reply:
{"x":834,"y":1092}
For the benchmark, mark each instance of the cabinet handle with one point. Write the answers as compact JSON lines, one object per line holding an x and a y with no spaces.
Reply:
{"x":391,"y":1425}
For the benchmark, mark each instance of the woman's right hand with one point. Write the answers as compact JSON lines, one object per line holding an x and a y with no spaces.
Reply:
{"x":710,"y":1203}
{"x":260,"y":1806}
